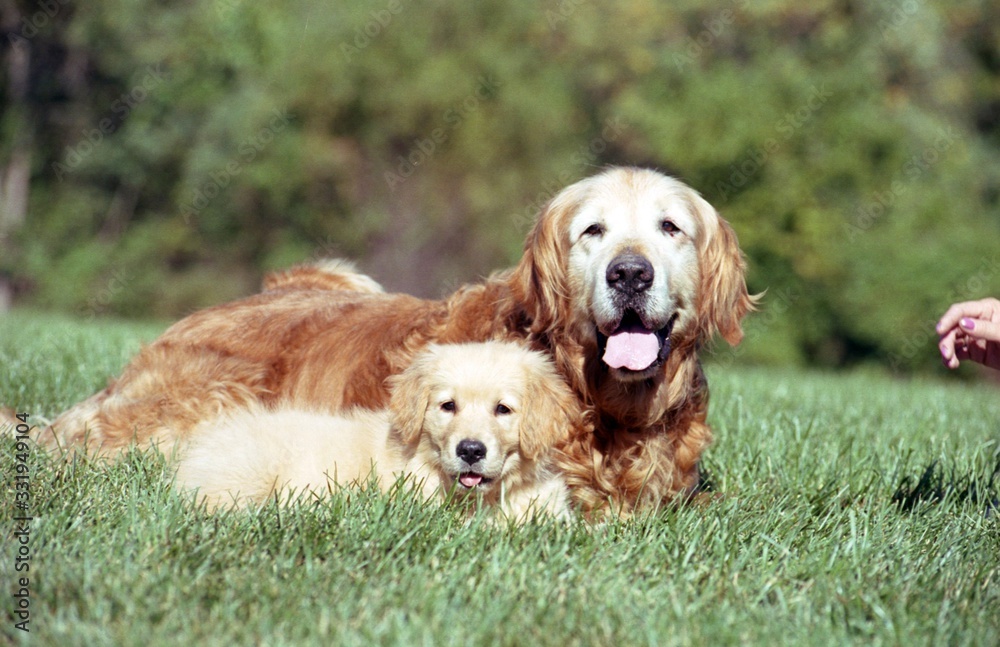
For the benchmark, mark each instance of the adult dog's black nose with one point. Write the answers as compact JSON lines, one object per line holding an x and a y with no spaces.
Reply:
{"x":630,"y":274}
{"x":470,"y":451}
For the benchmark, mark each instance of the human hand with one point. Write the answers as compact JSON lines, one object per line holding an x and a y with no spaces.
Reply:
{"x":971,"y":330}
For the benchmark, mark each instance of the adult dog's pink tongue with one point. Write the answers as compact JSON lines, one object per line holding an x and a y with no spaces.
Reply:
{"x":635,"y":349}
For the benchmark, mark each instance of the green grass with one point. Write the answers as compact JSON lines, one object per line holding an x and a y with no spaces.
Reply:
{"x":804,"y":543}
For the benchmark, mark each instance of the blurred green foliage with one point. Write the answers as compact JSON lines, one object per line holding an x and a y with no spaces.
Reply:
{"x":180,"y":148}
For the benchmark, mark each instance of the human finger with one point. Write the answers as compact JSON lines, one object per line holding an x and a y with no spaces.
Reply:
{"x":959,"y":311}
{"x":980,"y":328}
{"x":946,"y":345}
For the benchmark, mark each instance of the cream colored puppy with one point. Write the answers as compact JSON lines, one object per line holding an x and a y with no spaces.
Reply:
{"x":477,"y":419}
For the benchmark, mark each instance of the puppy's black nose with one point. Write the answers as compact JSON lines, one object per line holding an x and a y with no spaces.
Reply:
{"x":470,"y":451}
{"x":630,"y":273}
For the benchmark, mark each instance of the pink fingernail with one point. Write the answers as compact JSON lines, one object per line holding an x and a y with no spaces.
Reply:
{"x":968,"y":324}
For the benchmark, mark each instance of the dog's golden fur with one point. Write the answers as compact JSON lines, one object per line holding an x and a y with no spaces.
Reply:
{"x":501,"y":397}
{"x":328,"y":350}
{"x":326,"y":274}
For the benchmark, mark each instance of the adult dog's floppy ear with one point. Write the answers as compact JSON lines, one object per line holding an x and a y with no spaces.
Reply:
{"x":411,"y":393}
{"x":723,"y":299}
{"x":549,"y":410}
{"x":539,"y":281}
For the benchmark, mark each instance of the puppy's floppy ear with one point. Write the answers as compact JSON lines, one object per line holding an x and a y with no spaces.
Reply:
{"x":539,"y":281}
{"x":549,"y":409}
{"x":411,"y":393}
{"x":723,"y":299}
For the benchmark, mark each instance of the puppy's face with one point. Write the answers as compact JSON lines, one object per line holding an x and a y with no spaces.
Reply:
{"x":473,"y":432}
{"x":480,"y":415}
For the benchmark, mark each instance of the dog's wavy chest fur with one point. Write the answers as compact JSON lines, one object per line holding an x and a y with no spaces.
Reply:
{"x":641,"y":444}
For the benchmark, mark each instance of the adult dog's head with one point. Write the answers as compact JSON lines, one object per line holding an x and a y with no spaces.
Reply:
{"x":633,"y":266}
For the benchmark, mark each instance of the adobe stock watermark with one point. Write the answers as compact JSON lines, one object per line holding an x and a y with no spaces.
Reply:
{"x":585,"y":155}
{"x":423,"y":149}
{"x":119,"y":110}
{"x":712,"y":29}
{"x":562,"y":12}
{"x":974,"y":287}
{"x":325,"y":250}
{"x":101,"y":301}
{"x":895,"y":15}
{"x":21,"y":542}
{"x":32,"y":24}
{"x":740,"y":173}
{"x":379,"y":21}
{"x":246,"y":153}
{"x":223,"y":8}
{"x":916,"y":166}
{"x":777,"y":306}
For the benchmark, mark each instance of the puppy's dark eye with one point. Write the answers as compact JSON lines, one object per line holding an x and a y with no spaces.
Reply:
{"x":503,"y":410}
{"x":669,"y":227}
{"x":448,"y":406}
{"x":595,"y":229}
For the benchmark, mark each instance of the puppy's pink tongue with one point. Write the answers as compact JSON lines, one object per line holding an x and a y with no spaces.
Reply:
{"x":635,"y":349}
{"x":470,"y":480}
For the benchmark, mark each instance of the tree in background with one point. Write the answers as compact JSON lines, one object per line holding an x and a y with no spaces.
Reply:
{"x":177,"y":150}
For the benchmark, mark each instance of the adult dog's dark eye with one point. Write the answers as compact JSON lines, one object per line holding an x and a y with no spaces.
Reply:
{"x":595,"y":229}
{"x":448,"y":406}
{"x":669,"y":227}
{"x":503,"y":410}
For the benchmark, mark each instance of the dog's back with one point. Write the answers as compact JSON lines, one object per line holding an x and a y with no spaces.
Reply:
{"x":250,"y":454}
{"x":329,"y":274}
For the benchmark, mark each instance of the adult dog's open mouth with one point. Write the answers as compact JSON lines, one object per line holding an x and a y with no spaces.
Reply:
{"x":634,"y":347}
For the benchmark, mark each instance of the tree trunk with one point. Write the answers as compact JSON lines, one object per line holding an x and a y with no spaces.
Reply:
{"x":15,"y":172}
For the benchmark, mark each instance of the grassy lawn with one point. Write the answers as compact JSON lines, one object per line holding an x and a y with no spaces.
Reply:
{"x":805,"y":543}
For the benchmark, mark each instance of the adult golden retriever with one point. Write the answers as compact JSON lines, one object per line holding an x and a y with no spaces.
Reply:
{"x":476,"y":422}
{"x":624,"y":277}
